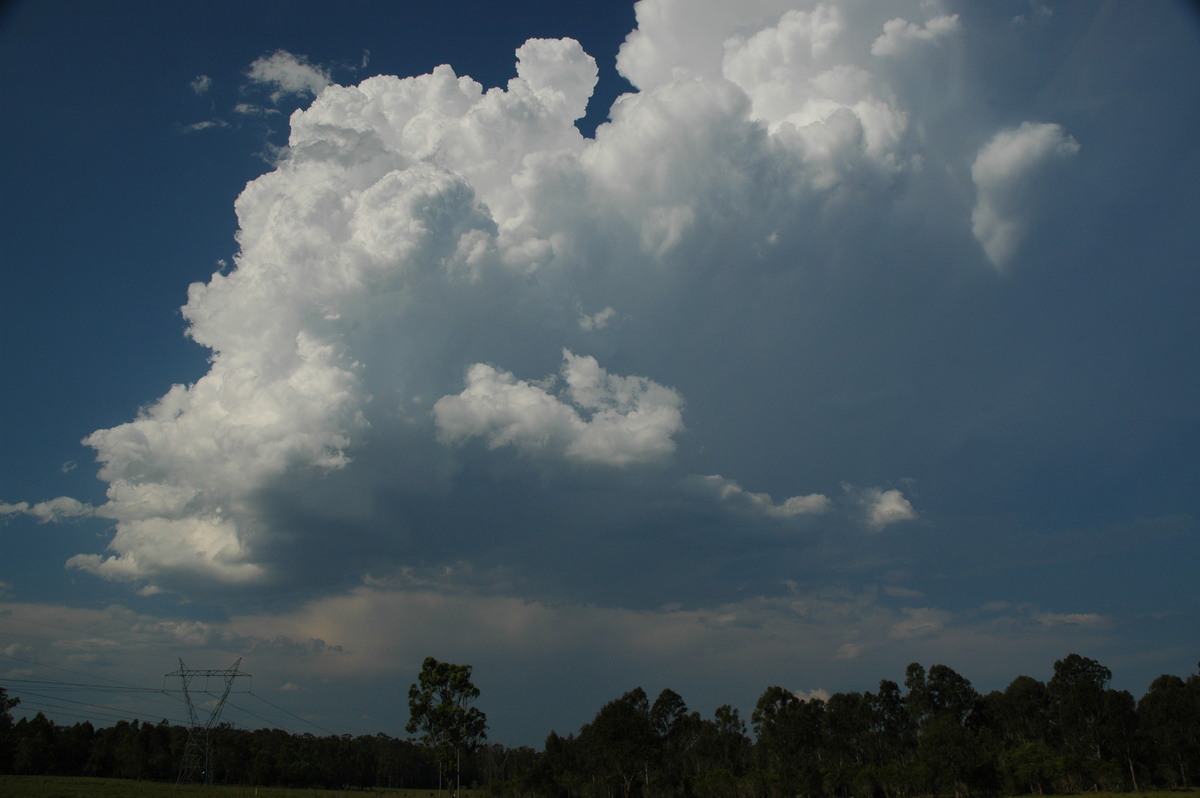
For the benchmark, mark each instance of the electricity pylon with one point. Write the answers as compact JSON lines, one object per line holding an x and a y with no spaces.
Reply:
{"x":197,"y":753}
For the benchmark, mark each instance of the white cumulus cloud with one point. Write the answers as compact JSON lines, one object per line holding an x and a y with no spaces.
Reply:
{"x":883,"y":508}
{"x":600,"y":418}
{"x":728,"y":490}
{"x":1005,"y":171}
{"x":429,"y":280}
{"x":900,"y":36}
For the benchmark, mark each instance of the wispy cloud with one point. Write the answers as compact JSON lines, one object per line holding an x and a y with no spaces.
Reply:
{"x":50,"y":511}
{"x":286,"y":75}
{"x":201,"y":84}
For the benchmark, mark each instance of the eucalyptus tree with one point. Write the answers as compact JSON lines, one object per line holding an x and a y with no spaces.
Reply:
{"x":790,"y":737}
{"x":677,"y":733}
{"x":1077,"y":708}
{"x":848,"y":723}
{"x":440,"y":711}
{"x":1169,"y":720}
{"x":620,"y":742}
{"x":1019,"y":718}
{"x":6,"y":705}
{"x":722,"y":754}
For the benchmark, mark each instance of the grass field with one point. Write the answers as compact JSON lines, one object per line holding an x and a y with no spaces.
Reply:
{"x":68,"y":787}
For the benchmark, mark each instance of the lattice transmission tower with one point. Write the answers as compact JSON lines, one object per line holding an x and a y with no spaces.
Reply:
{"x":197,"y":753}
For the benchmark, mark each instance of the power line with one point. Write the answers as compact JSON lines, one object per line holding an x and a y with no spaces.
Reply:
{"x":95,"y":688}
{"x":253,"y":714}
{"x":65,"y":670}
{"x":39,"y":687}
{"x":49,"y":702}
{"x":294,"y":715}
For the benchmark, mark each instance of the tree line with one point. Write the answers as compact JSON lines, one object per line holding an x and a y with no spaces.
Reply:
{"x":932,"y":735}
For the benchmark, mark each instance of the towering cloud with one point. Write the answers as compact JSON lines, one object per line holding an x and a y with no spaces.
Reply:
{"x":450,"y":306}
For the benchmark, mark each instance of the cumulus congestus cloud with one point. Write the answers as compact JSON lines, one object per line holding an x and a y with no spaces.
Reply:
{"x":456,"y":324}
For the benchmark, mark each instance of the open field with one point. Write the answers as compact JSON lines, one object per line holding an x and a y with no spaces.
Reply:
{"x":73,"y":787}
{"x":77,"y":787}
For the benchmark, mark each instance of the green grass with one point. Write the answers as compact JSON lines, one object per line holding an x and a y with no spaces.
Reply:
{"x":1130,"y":794}
{"x":72,"y":787}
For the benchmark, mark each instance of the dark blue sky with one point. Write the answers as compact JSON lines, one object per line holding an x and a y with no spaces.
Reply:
{"x":858,"y":337}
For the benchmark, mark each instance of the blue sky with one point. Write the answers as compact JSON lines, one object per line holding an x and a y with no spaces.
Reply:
{"x":848,"y":336}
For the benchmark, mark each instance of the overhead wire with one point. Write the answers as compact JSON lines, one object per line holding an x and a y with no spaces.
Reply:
{"x":240,"y":708}
{"x":174,"y":693}
{"x":125,"y":685}
{"x":37,"y":688}
{"x":292,"y":714}
{"x":97,"y":710}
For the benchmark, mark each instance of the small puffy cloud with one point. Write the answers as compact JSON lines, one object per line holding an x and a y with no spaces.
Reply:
{"x":901,"y":36}
{"x":287,"y":75}
{"x":1039,"y":12}
{"x":726,"y":490}
{"x":50,"y":511}
{"x":201,"y":84}
{"x":1006,"y":173}
{"x":596,"y":321}
{"x":882,"y":508}
{"x":206,"y":124}
{"x":599,"y":418}
{"x":251,"y":109}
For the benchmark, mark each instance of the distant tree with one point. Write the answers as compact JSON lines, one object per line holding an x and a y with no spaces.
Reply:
{"x":1023,"y":712}
{"x":439,"y":705}
{"x":620,"y":742}
{"x":790,"y":736}
{"x":849,"y":719}
{"x":950,"y":694}
{"x":34,"y":747}
{"x":891,"y":736}
{"x":949,"y":751}
{"x":1169,"y":721}
{"x":666,"y":712}
{"x":1118,"y":735}
{"x":1018,"y":720}
{"x":1077,"y":708}
{"x":677,"y":732}
{"x":916,"y":700}
{"x":6,"y":705}
{"x":722,"y":753}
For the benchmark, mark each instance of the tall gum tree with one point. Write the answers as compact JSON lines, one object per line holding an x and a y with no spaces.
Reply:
{"x":440,"y":711}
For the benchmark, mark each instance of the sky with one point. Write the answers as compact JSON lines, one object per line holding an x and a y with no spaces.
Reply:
{"x":687,"y":345}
